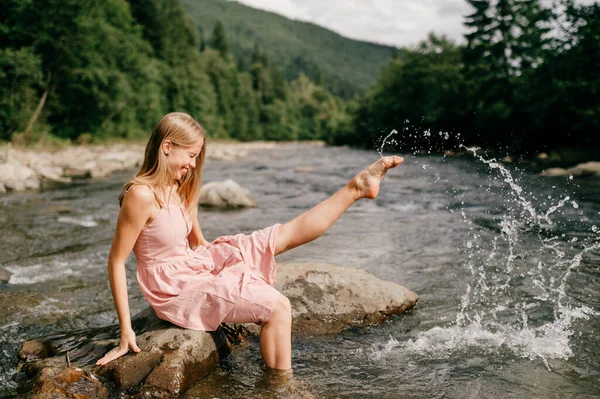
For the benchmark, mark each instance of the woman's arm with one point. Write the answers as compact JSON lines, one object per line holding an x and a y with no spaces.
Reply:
{"x":137,"y":209}
{"x":196,"y":238}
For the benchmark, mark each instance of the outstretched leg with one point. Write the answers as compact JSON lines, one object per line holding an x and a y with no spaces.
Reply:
{"x":314,"y":222}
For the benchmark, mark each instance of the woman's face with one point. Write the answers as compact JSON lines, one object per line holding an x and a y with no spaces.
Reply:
{"x":182,"y":159}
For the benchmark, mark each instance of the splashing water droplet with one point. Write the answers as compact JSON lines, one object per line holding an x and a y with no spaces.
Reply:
{"x":394,"y":131}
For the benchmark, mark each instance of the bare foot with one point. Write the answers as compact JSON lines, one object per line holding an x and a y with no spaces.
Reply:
{"x":366,"y":183}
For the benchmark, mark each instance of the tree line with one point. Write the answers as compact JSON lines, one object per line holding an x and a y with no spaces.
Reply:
{"x":526,"y":80}
{"x":83,"y":69}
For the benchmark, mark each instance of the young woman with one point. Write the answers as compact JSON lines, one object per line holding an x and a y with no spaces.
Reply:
{"x":198,"y":284}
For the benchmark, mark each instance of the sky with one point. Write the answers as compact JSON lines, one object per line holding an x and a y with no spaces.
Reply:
{"x":397,"y":23}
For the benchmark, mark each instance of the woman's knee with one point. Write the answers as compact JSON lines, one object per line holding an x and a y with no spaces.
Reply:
{"x":282,"y":311}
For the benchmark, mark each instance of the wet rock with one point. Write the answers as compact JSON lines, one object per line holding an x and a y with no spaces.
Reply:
{"x":585,"y":169}
{"x":171,"y":360}
{"x":4,"y":276}
{"x":130,"y":371}
{"x":186,"y":356}
{"x":34,"y":350}
{"x":580,"y":170}
{"x":226,"y":194}
{"x":69,"y":383}
{"x":328,"y":299}
{"x":555,"y":172}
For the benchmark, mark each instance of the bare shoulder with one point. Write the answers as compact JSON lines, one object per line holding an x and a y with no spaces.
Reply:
{"x":139,"y":196}
{"x":139,"y":204}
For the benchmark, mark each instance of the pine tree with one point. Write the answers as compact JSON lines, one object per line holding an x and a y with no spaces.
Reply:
{"x":218,"y":40}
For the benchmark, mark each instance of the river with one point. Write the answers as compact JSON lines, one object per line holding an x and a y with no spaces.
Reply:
{"x":506,"y":264}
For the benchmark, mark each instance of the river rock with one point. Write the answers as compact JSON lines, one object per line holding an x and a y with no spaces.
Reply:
{"x":4,"y":276}
{"x":554,"y":172}
{"x":17,"y":177}
{"x":329,"y":299}
{"x":49,"y":172}
{"x":226,"y":153}
{"x":2,"y":188}
{"x":226,"y":194}
{"x":69,"y":383}
{"x":585,"y":169}
{"x":172,"y":358}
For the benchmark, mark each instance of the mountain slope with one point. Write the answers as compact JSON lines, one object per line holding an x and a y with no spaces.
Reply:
{"x":345,"y":66}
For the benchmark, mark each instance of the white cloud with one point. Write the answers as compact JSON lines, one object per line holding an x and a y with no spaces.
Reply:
{"x":393,"y":22}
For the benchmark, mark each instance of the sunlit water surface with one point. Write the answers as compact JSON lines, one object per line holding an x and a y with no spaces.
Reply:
{"x":506,"y":264}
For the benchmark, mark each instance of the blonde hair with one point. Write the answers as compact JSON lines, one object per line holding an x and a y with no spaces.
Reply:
{"x":183,"y":131}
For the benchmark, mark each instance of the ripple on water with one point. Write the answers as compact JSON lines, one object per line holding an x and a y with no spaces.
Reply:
{"x":38,"y":273}
{"x":84,"y":221}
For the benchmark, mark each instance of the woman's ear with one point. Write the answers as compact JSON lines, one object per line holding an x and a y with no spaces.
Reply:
{"x":166,"y":146}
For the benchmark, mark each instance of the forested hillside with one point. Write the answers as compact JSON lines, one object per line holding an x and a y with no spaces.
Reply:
{"x":86,"y":70}
{"x":346,"y":67}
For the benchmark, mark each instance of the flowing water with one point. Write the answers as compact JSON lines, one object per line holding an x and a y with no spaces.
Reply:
{"x":506,"y":264}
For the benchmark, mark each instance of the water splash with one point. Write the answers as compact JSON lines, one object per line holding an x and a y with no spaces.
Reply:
{"x":380,"y":151}
{"x":519,"y":264}
{"x":517,"y":295}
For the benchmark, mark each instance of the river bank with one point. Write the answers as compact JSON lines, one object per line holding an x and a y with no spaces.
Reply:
{"x":22,"y":168}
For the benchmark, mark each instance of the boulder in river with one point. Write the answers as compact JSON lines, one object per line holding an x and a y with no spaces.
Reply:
{"x":226,"y":194}
{"x":325,"y":299}
{"x":585,"y":169}
{"x":17,"y":177}
{"x":580,"y":170}
{"x":4,"y":276}
{"x":555,"y":172}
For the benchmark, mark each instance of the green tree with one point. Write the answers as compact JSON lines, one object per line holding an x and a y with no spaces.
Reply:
{"x":419,"y":95}
{"x":20,"y":82}
{"x":566,"y":87}
{"x":218,"y":40}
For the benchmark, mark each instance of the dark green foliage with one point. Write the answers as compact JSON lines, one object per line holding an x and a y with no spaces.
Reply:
{"x":218,"y":41}
{"x":514,"y":86}
{"x":566,"y":93}
{"x":20,"y":81}
{"x":421,"y":93}
{"x":113,"y":68}
{"x":346,"y":67}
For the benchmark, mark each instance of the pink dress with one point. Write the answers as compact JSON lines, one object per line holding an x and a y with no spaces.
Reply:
{"x":231,"y":280}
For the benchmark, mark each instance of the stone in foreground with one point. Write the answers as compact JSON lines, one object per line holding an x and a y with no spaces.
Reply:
{"x":329,"y":299}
